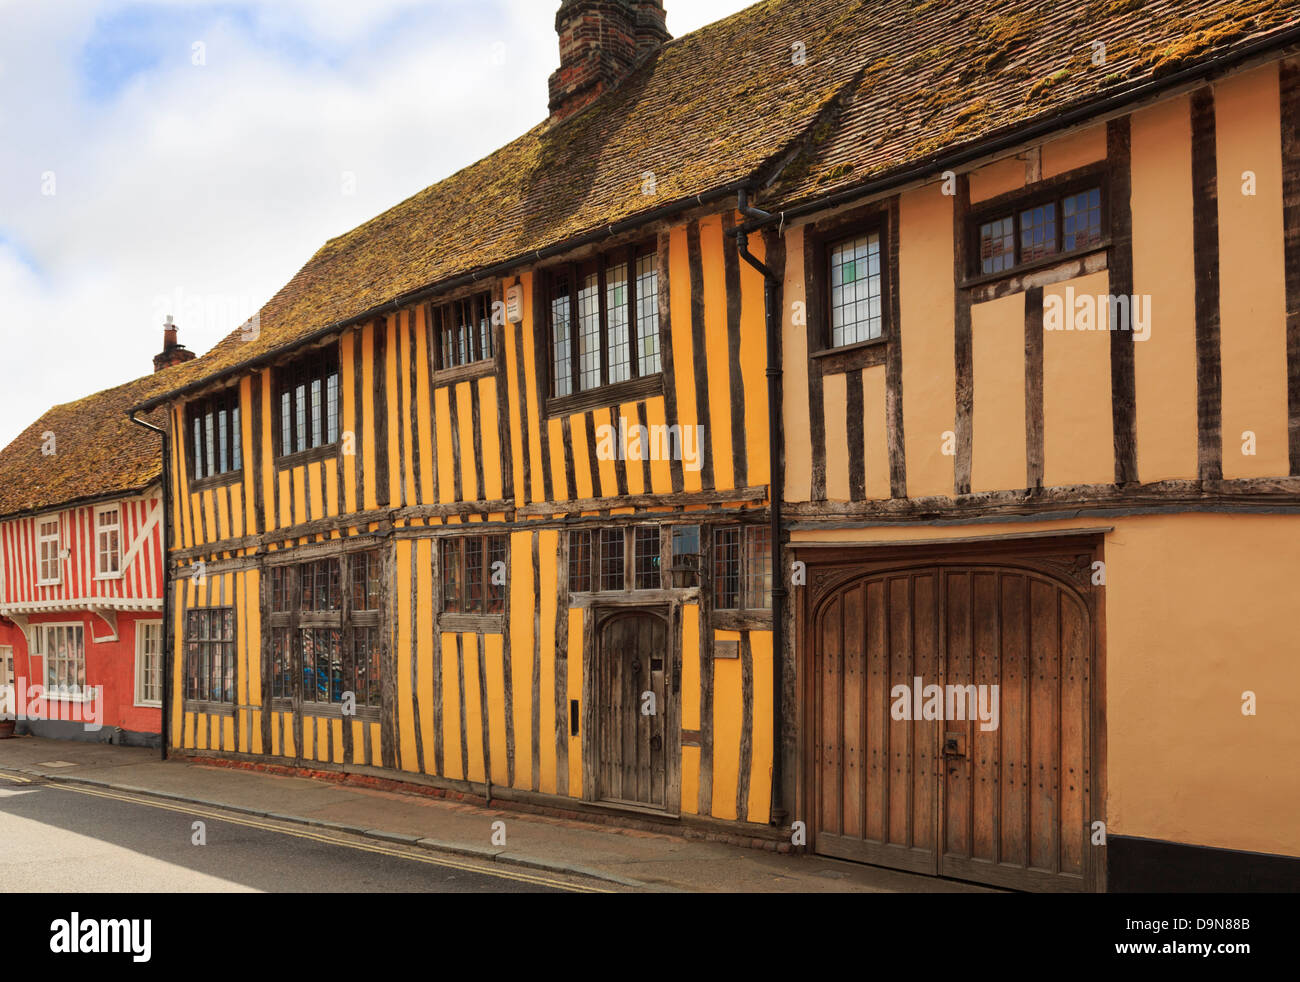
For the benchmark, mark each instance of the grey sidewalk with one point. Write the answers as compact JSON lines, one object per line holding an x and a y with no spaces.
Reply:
{"x":624,"y":857}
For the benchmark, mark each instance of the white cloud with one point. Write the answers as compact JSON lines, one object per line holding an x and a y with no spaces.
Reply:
{"x":183,"y":188}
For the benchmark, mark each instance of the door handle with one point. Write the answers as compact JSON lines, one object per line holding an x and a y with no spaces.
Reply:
{"x":954,"y":745}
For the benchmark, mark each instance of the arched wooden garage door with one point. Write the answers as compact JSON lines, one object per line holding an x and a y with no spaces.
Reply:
{"x":1004,"y":798}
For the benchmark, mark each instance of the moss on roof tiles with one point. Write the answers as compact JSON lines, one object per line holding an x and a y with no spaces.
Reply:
{"x":97,"y":450}
{"x":886,"y":83}
{"x":979,"y":67}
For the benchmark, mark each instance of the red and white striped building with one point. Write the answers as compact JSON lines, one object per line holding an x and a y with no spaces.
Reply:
{"x":81,"y":570}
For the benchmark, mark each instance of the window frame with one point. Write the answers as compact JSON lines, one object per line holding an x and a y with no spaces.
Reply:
{"x":1013,"y":204}
{"x":605,"y":392}
{"x":141,"y":668}
{"x":346,"y":619}
{"x":213,"y":406}
{"x":41,"y":540}
{"x":747,"y":612}
{"x":877,"y":224}
{"x":117,"y":573}
{"x":486,"y":617}
{"x":480,"y":363}
{"x":594,"y":535}
{"x":221,"y":705}
{"x":820,"y":239}
{"x":318,"y":365}
{"x":41,"y":651}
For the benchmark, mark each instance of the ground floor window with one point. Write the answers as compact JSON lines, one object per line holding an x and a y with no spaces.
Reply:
{"x":742,"y":567}
{"x":474,"y":574}
{"x":614,"y":559}
{"x":325,"y":631}
{"x":210,"y":655}
{"x":62,"y":648}
{"x":148,"y":663}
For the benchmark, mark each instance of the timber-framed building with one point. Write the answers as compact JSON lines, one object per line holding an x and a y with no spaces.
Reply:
{"x":866,"y":258}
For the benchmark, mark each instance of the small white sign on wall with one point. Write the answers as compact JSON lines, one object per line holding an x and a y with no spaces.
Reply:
{"x":515,"y":304}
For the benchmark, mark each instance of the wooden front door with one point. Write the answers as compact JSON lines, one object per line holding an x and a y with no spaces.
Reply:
{"x":631,"y":683}
{"x":951,"y":707}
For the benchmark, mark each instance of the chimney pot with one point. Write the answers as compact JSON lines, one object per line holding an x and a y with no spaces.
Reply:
{"x":173,"y":352}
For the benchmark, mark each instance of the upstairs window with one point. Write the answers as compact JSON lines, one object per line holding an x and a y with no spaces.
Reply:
{"x":108,"y":542}
{"x":47,"y":552}
{"x":215,"y":435}
{"x":1039,"y":228}
{"x":308,"y":402}
{"x":856,"y":290}
{"x":604,"y":321}
{"x":463,"y":329}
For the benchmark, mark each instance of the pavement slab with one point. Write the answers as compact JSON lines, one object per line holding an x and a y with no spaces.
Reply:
{"x":632,"y":858}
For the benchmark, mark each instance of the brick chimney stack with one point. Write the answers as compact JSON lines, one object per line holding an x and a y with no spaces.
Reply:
{"x":601,"y":41}
{"x":173,"y":353}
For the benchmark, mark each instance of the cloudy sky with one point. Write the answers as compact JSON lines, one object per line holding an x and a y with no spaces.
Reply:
{"x":186,"y":158}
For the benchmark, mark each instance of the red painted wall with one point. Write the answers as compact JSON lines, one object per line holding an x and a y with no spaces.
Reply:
{"x":110,"y":665}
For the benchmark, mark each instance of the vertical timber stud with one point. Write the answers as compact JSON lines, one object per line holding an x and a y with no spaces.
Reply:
{"x":507,"y":663}
{"x":562,"y":665}
{"x":1289,"y":82}
{"x":541,"y":359}
{"x":746,"y":727}
{"x":705,"y":802}
{"x":591,"y":755}
{"x":417,"y":482}
{"x":347,"y":646}
{"x":1205,"y":251}
{"x":502,"y":383}
{"x":464,"y":727}
{"x":379,"y":365}
{"x":387,"y":659}
{"x":1123,"y":382}
{"x":731,"y":274}
{"x":894,"y":365}
{"x":1034,"y":387}
{"x":962,"y":333}
{"x":535,"y":711}
{"x":663,"y":255}
{"x":435,"y":607}
{"x":815,"y":316}
{"x":414,"y":656}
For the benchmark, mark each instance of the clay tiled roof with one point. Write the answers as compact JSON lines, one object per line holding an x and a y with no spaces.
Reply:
{"x":942,"y":74}
{"x":884,"y":84}
{"x":98,"y":451}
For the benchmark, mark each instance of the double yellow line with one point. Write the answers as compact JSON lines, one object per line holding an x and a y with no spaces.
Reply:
{"x":254,"y":823}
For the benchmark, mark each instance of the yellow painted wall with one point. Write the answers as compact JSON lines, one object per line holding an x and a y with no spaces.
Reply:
{"x":927,"y":299}
{"x":998,"y":418}
{"x":1078,"y":429}
{"x":1252,"y":278}
{"x":1165,"y":363}
{"x":1074,"y":150}
{"x":1198,"y":611}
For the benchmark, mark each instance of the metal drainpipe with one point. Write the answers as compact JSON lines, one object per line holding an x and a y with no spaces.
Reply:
{"x":771,"y":283}
{"x":166,"y":578}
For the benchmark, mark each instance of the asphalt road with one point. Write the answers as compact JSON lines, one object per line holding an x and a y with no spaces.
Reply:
{"x":64,"y":838}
